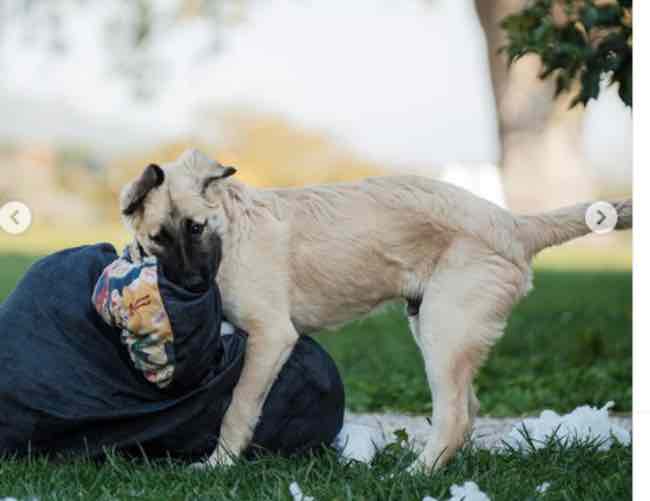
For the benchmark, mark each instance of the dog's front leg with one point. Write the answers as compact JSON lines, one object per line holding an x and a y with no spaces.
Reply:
{"x":268,"y":348}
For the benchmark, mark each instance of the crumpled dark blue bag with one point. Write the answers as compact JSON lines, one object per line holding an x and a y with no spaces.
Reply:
{"x":72,"y":384}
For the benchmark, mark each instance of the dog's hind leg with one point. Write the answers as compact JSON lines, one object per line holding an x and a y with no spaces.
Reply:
{"x":463,"y":312}
{"x":473,"y":404}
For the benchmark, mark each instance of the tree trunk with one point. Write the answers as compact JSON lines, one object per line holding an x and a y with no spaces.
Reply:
{"x":541,"y":155}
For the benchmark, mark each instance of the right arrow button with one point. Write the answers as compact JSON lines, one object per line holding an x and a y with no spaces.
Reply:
{"x":601,"y":217}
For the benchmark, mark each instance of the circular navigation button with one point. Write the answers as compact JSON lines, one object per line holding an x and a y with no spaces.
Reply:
{"x":15,"y":217}
{"x":601,"y":217}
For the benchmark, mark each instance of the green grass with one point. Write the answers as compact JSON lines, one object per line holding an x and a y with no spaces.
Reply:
{"x":12,"y":267}
{"x":576,"y":472}
{"x":568,"y":343}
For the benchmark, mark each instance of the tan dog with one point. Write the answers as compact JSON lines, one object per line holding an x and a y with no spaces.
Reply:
{"x":296,"y":261}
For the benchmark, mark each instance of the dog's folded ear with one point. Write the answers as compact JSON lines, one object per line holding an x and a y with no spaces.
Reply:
{"x":133,"y":196}
{"x":222,"y":172}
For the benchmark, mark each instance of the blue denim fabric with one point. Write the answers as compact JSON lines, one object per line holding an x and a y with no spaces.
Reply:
{"x":67,"y":385}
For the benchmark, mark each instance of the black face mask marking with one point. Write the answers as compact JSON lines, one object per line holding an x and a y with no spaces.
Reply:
{"x":189,"y":256}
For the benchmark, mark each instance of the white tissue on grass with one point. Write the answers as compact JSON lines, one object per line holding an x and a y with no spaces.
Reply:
{"x":359,"y":442}
{"x":469,"y":491}
{"x":543,"y":487}
{"x":582,"y":423}
{"x":296,"y":493}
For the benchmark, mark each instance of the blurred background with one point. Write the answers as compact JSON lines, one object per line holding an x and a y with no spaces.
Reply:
{"x":292,"y":92}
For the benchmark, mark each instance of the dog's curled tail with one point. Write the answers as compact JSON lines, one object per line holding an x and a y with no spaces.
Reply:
{"x":537,"y":232}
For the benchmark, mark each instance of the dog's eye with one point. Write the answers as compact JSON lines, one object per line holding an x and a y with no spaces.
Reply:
{"x":196,"y":228}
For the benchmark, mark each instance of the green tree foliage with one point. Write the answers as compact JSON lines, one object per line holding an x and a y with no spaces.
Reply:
{"x":577,"y":40}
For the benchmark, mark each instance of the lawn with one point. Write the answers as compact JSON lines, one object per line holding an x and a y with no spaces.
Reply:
{"x":579,"y":472}
{"x":568,"y":343}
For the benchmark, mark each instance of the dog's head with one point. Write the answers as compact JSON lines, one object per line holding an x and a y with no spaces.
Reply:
{"x":174,"y":212}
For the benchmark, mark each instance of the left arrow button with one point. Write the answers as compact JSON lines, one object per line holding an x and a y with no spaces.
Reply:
{"x":15,"y":217}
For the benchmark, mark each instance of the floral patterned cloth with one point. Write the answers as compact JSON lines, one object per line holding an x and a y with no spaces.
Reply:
{"x":127,"y":296}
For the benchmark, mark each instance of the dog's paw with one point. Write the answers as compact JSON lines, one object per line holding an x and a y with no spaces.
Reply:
{"x":224,"y":459}
{"x":213,"y":462}
{"x":204,"y":466}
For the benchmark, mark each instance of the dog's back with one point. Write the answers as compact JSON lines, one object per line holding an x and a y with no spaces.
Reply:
{"x":355,"y":245}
